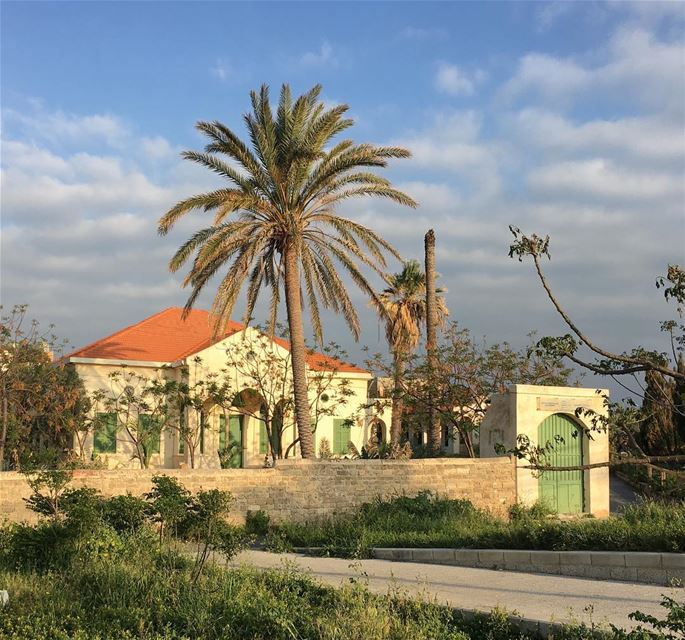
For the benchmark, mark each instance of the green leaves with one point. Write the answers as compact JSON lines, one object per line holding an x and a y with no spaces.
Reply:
{"x":285,"y":184}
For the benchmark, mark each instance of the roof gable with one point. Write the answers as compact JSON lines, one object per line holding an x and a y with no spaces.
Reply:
{"x":168,"y":337}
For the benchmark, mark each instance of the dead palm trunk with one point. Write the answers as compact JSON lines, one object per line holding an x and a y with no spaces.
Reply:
{"x":397,"y":399}
{"x":434,"y":427}
{"x":297,"y":350}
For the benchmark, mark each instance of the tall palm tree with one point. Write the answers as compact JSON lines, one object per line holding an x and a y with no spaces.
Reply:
{"x":402,"y":305}
{"x":434,"y":427}
{"x":275,"y":223}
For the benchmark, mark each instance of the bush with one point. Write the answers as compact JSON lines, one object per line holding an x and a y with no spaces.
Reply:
{"x":430,"y":521}
{"x":126,"y":513}
{"x":257,"y":522}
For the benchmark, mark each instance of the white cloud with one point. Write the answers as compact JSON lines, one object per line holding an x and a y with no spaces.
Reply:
{"x":157,"y":147}
{"x":639,"y":138}
{"x":456,"y":81}
{"x":222,"y":69}
{"x":635,"y":65}
{"x":549,"y":13}
{"x":599,"y":178}
{"x":324,"y":57}
{"x":61,"y":126}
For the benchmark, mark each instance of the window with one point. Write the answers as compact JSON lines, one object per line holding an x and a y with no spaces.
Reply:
{"x":181,"y":430}
{"x":342,"y":430}
{"x":105,"y":433}
{"x":203,"y":419}
{"x":223,"y":433}
{"x":149,"y":429}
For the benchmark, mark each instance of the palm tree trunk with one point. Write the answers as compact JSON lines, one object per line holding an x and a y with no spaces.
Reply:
{"x":297,"y":351}
{"x":434,"y":428}
{"x":397,"y":400}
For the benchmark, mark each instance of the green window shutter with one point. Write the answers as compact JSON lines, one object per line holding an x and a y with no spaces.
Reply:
{"x":203,"y":419}
{"x":222,"y":432}
{"x":150,"y":424}
{"x":341,"y":436}
{"x":263,"y":439}
{"x":105,"y":433}
{"x":181,"y":428}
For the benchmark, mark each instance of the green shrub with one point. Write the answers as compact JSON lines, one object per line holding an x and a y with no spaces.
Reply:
{"x":257,"y":522}
{"x":169,"y":501}
{"x":126,"y":513}
{"x":430,"y":521}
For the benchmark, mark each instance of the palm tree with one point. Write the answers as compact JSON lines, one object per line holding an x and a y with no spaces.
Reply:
{"x":402,"y":305}
{"x":275,"y":224}
{"x":434,"y":427}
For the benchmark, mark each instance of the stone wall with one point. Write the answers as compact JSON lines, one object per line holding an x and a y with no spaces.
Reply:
{"x":303,"y":489}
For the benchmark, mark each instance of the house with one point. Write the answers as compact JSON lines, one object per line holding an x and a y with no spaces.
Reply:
{"x":255,"y":369}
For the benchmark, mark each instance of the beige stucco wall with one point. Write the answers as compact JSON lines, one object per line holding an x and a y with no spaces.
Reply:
{"x":520,"y":411}
{"x":303,"y":489}
{"x":213,"y":360}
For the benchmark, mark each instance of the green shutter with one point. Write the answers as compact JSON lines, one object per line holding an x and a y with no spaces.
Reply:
{"x":150,"y":424}
{"x":342,"y":432}
{"x":181,"y":429}
{"x":263,"y":438}
{"x":202,"y":431}
{"x":105,"y":433}
{"x":235,"y":440}
{"x":222,"y":432}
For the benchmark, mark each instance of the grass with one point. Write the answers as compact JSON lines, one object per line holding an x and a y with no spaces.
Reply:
{"x":150,"y":595}
{"x":430,"y":521}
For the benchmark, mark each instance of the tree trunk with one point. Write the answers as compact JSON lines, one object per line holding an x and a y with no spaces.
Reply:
{"x":434,"y":428}
{"x":397,"y":400}
{"x":3,"y":435}
{"x":297,"y":351}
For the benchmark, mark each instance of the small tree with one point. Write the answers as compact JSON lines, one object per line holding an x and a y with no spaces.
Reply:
{"x":197,"y":390}
{"x":144,"y":408}
{"x":662,"y":369}
{"x":464,"y":376}
{"x":42,"y":400}
{"x":264,"y":365}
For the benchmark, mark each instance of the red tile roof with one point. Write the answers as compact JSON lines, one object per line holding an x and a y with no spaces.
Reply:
{"x":167,"y":337}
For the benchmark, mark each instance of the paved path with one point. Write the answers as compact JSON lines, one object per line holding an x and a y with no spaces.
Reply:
{"x":622,"y":494}
{"x":535,"y":596}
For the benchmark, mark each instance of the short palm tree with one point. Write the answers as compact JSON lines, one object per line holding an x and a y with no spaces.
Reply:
{"x":275,"y":224}
{"x":402,"y":306}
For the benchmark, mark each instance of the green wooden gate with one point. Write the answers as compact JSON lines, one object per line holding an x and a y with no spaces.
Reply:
{"x":562,"y":490}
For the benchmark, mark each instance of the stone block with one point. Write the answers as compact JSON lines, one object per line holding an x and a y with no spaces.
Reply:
{"x":607,"y":558}
{"x":574,"y":558}
{"x":653,"y":576}
{"x":444,"y":556}
{"x":466,"y":557}
{"x":490,"y":557}
{"x":673,"y":560}
{"x":516,"y":557}
{"x":422,"y":555}
{"x":643,"y":560}
{"x":545,"y":558}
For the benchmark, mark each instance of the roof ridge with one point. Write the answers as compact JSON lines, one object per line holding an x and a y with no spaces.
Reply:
{"x":116,"y":333}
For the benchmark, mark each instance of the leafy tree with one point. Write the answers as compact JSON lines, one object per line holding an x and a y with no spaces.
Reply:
{"x":465,"y":375}
{"x":656,"y":376}
{"x":42,"y":401}
{"x":198,"y":389}
{"x":402,"y":305}
{"x":265,"y":367}
{"x":144,"y":408}
{"x":275,"y":226}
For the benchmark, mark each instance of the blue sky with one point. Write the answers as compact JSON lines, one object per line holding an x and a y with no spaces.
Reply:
{"x":561,"y":118}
